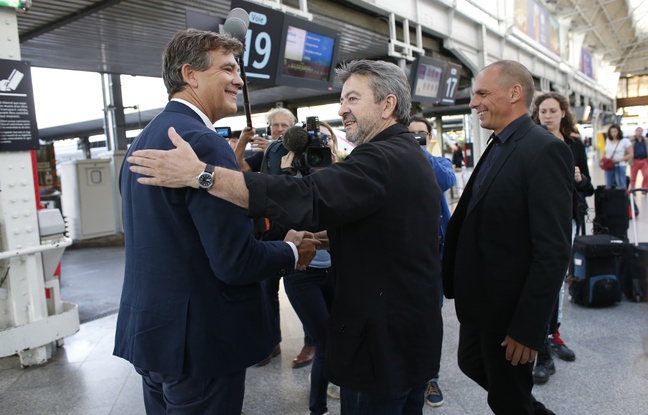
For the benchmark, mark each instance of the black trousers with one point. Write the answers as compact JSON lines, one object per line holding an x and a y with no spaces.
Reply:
{"x":482,"y":358}
{"x":184,"y":395}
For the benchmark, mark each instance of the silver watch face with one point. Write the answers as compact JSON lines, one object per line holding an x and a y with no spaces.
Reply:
{"x":205,"y":180}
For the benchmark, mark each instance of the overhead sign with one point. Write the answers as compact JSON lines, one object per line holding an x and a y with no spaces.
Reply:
{"x":18,"y":129}
{"x":261,"y":42}
{"x":449,"y":83}
{"x":287,"y":50}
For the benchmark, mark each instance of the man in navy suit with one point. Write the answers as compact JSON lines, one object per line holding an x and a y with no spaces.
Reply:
{"x":192,"y":317}
{"x":508,"y":242}
{"x":381,"y":208}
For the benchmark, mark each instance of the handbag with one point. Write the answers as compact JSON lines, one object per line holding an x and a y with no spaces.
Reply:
{"x":606,"y":163}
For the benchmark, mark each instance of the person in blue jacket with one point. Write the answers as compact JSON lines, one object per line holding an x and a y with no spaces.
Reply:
{"x":446,"y":179}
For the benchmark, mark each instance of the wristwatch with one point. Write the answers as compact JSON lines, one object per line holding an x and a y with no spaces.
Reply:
{"x":206,"y":178}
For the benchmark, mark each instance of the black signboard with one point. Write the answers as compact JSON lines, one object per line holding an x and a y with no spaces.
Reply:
{"x":18,"y":129}
{"x":426,"y":79}
{"x":308,"y":54}
{"x":450,"y":83}
{"x":261,"y":42}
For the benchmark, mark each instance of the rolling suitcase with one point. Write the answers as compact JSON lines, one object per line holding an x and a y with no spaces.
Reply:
{"x":593,"y":270}
{"x":611,"y":212}
{"x":633,"y":266}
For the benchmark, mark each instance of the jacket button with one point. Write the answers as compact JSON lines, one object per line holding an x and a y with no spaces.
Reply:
{"x":343,"y":328}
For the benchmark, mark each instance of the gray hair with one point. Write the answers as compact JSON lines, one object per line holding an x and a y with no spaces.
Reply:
{"x":283,"y":111}
{"x":385,"y":78}
{"x":193,"y":46}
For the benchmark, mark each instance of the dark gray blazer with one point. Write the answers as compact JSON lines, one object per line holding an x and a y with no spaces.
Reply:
{"x":505,"y":259}
{"x":381,"y":209}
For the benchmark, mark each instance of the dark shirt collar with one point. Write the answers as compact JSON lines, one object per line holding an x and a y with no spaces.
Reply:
{"x":508,"y":131}
{"x":395,"y":129}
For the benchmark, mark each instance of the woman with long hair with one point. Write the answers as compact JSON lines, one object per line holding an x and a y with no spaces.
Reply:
{"x":552,"y":110}
{"x":619,"y":150}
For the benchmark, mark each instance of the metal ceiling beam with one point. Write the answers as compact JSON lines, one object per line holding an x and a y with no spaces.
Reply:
{"x":73,"y":17}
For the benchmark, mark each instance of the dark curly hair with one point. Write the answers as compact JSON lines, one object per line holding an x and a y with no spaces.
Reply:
{"x":567,"y":123}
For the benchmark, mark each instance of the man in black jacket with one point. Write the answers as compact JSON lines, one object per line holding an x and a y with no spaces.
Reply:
{"x":381,"y":210}
{"x":509,"y":241}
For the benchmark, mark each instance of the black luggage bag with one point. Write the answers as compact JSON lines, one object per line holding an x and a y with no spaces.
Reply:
{"x":611,"y":212}
{"x":593,"y":270}
{"x":633,"y":265}
{"x":633,"y":272}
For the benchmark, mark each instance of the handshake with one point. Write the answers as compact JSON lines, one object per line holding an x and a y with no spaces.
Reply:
{"x":307,"y":244}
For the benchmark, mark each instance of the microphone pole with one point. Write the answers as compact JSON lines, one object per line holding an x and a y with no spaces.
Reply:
{"x":236,"y":24}
{"x":246,"y":96}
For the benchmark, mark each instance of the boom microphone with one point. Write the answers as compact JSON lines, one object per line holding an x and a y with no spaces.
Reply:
{"x":236,"y":24}
{"x":295,"y":139}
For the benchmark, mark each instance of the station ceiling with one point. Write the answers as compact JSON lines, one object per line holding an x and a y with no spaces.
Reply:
{"x":128,"y":36}
{"x":615,"y":29}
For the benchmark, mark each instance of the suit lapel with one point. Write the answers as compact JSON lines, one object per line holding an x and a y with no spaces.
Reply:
{"x":509,"y":148}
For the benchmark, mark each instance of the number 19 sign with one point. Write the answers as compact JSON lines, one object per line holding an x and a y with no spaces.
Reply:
{"x":261,"y":42}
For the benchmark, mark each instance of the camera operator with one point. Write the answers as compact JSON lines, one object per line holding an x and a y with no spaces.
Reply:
{"x":279,"y":120}
{"x":310,"y":291}
{"x":308,"y":148}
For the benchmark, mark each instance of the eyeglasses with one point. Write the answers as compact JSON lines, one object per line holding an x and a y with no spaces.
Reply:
{"x":284,"y":126}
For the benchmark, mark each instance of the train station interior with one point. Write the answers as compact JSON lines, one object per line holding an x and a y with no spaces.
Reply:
{"x":61,"y":231}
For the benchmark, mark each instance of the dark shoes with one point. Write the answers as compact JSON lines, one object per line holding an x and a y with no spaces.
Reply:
{"x":543,"y":369}
{"x":305,"y":357}
{"x":276,"y":351}
{"x":560,"y":349}
{"x":544,"y":366}
{"x":433,"y":395}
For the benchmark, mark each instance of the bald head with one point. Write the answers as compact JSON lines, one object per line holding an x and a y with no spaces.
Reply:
{"x":512,"y":73}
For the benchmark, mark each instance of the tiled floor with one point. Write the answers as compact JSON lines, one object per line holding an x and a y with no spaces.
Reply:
{"x":609,"y":376}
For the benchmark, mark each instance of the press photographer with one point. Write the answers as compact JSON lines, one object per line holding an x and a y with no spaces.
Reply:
{"x":308,"y":148}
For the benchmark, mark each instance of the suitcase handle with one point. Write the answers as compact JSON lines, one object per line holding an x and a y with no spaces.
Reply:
{"x":631,"y":192}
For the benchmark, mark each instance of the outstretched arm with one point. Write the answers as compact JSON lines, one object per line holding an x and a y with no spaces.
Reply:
{"x":180,"y":167}
{"x":239,"y":152}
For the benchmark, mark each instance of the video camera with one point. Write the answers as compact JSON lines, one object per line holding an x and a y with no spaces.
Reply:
{"x":309,"y":146}
{"x":421,"y":139}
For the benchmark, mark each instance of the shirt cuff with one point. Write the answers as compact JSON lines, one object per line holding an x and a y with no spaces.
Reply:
{"x":294,"y":249}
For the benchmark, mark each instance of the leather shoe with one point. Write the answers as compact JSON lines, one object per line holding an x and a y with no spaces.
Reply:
{"x":305,"y":357}
{"x":276,"y":351}
{"x":543,"y":370}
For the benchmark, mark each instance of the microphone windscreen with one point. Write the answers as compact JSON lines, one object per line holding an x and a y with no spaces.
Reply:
{"x":295,"y":139}
{"x":237,"y":23}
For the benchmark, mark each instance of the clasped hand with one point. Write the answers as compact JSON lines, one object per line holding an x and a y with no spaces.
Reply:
{"x":306,"y":244}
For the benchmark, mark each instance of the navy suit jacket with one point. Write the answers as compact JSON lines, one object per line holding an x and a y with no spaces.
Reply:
{"x":191,"y":302}
{"x":506,"y":253}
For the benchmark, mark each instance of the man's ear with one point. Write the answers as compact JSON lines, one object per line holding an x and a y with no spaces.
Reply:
{"x":389,"y":105}
{"x":188,"y":75}
{"x":516,"y":93}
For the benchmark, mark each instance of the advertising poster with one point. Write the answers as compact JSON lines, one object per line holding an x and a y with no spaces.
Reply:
{"x":18,"y":129}
{"x":534,"y":21}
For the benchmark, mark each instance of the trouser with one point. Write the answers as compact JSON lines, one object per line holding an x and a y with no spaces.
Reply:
{"x":184,"y":395}
{"x":482,"y":358}
{"x":365,"y":403}
{"x":311,"y":294}
{"x":639,"y":165}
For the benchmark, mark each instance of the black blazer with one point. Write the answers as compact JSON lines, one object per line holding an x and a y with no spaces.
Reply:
{"x":381,"y":207}
{"x":505,"y":260}
{"x":191,"y":302}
